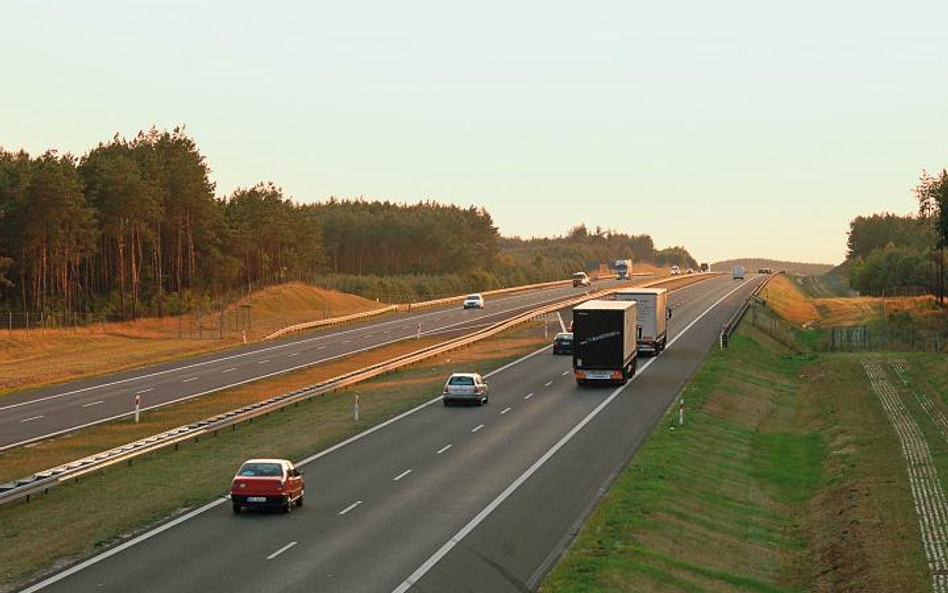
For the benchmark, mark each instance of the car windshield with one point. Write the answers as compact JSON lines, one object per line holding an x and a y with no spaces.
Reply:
{"x":461,"y":381}
{"x":473,"y":297}
{"x":564,"y":337}
{"x":261,"y":470}
{"x":579,"y":275}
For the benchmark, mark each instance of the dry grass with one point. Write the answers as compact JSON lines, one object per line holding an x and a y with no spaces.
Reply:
{"x":140,"y":495}
{"x":786,"y":296}
{"x":37,"y":357}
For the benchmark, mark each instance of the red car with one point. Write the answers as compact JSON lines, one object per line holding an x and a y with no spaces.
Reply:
{"x":269,"y":483}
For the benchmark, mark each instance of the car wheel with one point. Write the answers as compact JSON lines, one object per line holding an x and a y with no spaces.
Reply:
{"x":288,"y":505}
{"x":486,"y":398}
{"x":236,"y":509}
{"x":446,"y":402}
{"x":299,"y":501}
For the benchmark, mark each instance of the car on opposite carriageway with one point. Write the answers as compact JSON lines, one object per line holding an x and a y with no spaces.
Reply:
{"x":474,"y":301}
{"x":267,"y":483}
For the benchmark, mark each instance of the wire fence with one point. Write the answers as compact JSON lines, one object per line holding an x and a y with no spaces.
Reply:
{"x":901,"y":336}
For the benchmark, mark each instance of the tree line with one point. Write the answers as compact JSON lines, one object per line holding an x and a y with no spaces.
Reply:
{"x":888,"y":252}
{"x":134,"y":228}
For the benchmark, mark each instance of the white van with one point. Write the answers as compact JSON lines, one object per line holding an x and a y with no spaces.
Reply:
{"x":737,"y":272}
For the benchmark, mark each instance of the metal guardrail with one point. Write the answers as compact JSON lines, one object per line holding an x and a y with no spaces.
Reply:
{"x":330,"y":322}
{"x":735,"y":319}
{"x":43,"y":481}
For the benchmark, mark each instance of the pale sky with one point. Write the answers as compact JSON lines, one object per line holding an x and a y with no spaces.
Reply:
{"x":734,"y":128}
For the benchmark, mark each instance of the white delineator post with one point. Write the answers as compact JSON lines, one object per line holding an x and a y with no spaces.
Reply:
{"x":418,"y":335}
{"x":138,"y":405}
{"x":355,"y":409}
{"x":245,"y":336}
{"x":681,"y":412}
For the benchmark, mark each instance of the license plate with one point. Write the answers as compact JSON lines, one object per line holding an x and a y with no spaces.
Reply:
{"x":598,"y":375}
{"x":256,"y":499}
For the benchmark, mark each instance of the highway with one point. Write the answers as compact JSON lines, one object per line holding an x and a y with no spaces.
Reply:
{"x":439,"y":499}
{"x":37,"y":414}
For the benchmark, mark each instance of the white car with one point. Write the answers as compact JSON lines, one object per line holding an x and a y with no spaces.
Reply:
{"x":675,"y":270}
{"x":474,"y":301}
{"x":465,"y":387}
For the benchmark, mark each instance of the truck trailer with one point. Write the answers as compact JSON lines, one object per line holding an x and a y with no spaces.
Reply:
{"x":652,"y":313}
{"x":604,"y":341}
{"x":623,"y":269}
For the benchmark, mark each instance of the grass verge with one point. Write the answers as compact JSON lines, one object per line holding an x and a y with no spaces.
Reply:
{"x":151,"y":489}
{"x":786,"y":477}
{"x":37,"y":357}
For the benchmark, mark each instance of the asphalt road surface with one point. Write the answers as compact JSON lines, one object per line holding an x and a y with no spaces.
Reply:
{"x":37,"y":414}
{"x":439,"y":499}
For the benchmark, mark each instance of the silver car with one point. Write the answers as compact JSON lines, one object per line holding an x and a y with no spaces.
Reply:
{"x":474,"y":301}
{"x":465,"y":387}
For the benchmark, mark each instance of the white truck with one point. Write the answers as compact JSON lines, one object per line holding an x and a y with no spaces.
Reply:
{"x":604,"y":346}
{"x":653,"y":313}
{"x":623,"y":269}
{"x":737,"y":272}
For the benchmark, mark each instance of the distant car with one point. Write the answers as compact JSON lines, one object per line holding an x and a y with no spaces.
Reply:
{"x":691,"y":271}
{"x":563,"y":343}
{"x":675,"y":270}
{"x":474,"y":301}
{"x":267,"y":483}
{"x":737,"y":272}
{"x":581,"y":279}
{"x":465,"y":388}
{"x":705,"y":267}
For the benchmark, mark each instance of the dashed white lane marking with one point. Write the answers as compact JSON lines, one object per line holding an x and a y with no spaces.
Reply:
{"x":478,"y":427}
{"x":189,"y":379}
{"x":367,"y":336}
{"x":281,"y":550}
{"x":350,"y":507}
{"x":401,"y":475}
{"x":387,"y":331}
{"x":293,"y":354}
{"x":90,"y":404}
{"x":443,"y":449}
{"x":505,"y":410}
{"x":321,"y":347}
{"x":144,"y":390}
{"x":346,"y":341}
{"x":31,"y":419}
{"x":229,"y":370}
{"x":528,"y":396}
{"x":263,"y":361}
{"x":564,"y":373}
{"x":548,"y":383}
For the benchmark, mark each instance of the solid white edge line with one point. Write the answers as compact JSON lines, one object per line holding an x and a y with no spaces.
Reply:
{"x":281,"y":550}
{"x":200,"y":510}
{"x":560,"y":317}
{"x":122,"y":547}
{"x":481,"y":516}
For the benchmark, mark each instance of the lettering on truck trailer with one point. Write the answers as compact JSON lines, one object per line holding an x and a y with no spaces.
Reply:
{"x":611,"y":334}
